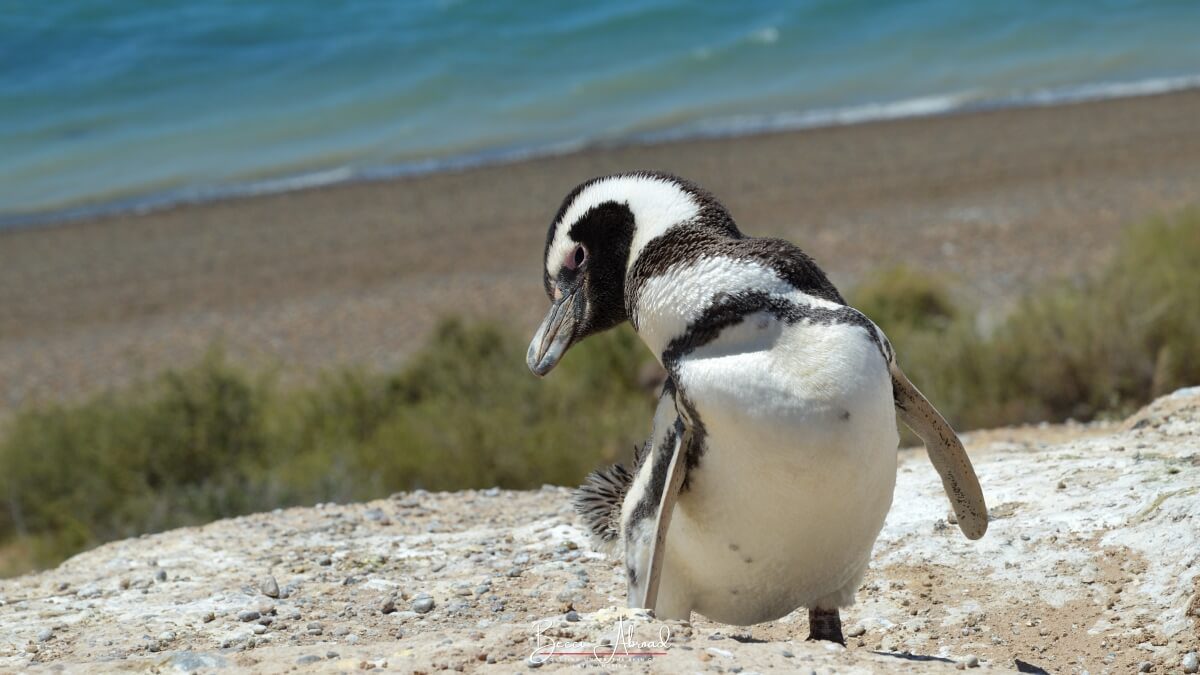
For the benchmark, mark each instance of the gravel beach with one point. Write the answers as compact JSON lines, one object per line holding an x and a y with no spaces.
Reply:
{"x":358,"y":273}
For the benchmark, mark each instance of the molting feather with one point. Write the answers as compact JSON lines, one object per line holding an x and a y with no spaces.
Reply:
{"x":598,"y":502}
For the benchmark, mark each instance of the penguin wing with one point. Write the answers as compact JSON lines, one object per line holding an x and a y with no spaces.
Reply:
{"x":656,"y":489}
{"x":945,"y":451}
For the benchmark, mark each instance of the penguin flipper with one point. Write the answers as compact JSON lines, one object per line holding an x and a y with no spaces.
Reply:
{"x":646,"y":561}
{"x":945,"y":452}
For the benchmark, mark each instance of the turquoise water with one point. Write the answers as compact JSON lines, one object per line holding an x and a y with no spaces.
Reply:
{"x":108,"y":104}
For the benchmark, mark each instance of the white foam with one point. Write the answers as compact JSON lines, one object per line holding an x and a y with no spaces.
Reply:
{"x":717,"y":127}
{"x":921,"y":106}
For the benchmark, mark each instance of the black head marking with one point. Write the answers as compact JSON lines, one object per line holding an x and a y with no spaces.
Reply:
{"x":605,"y":232}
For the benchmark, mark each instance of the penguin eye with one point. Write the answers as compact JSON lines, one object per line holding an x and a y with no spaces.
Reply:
{"x":576,"y":258}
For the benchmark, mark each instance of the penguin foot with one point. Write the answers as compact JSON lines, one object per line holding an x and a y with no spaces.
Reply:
{"x":825,"y":624}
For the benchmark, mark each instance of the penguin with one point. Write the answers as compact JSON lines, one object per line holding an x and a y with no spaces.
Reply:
{"x":771,"y":463}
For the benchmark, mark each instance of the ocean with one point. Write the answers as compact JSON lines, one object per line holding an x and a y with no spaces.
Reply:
{"x":126,"y":104}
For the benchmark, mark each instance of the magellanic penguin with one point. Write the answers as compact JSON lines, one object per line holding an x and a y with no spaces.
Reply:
{"x":772,"y":460}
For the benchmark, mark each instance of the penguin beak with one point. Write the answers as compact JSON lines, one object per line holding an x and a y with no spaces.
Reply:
{"x":557,"y":332}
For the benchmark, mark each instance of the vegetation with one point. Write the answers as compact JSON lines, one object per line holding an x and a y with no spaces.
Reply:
{"x":215,"y":440}
{"x":1101,"y":346}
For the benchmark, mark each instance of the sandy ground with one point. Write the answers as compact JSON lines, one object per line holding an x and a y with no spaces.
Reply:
{"x":1092,"y":563}
{"x":358,"y":274}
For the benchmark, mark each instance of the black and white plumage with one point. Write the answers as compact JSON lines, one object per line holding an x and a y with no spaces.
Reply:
{"x":772,"y":460}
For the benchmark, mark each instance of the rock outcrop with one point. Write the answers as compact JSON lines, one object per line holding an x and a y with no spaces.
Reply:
{"x":1092,"y":563}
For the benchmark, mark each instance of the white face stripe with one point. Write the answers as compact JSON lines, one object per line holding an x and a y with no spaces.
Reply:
{"x":657,"y":205}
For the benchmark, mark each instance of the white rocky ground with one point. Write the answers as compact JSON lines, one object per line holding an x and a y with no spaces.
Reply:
{"x":1092,"y":564}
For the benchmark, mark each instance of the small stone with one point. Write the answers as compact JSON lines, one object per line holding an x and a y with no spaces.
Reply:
{"x":340,"y":631}
{"x":388,"y":606}
{"x":857,"y":630}
{"x":166,"y":636}
{"x":787,"y":654}
{"x":190,"y":662}
{"x":324,"y":561}
{"x":269,"y":587}
{"x":423,"y":605}
{"x":1145,"y":667}
{"x":208,"y":617}
{"x":307,"y":659}
{"x":352,"y":639}
{"x":514,"y":572}
{"x":971,"y":661}
{"x":1061,"y":485}
{"x":259,"y":629}
{"x":247,"y":615}
{"x":331,"y":655}
{"x":160,"y":576}
{"x":572,"y":616}
{"x":1191,"y":662}
{"x":45,"y":634}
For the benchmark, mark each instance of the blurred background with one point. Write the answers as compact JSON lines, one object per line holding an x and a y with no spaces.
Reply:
{"x":257,"y":254}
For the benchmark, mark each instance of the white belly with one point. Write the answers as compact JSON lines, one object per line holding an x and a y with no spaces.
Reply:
{"x":795,"y":481}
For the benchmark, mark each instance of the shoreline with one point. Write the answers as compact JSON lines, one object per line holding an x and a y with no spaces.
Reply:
{"x":357,"y":273}
{"x":749,"y":126}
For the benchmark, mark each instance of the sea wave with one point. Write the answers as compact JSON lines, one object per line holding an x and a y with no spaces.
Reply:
{"x":921,"y":106}
{"x":716,"y":127}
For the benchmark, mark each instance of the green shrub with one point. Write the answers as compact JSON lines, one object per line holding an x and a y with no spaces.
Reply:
{"x":904,"y":300}
{"x":1124,"y":334}
{"x":214,"y":441}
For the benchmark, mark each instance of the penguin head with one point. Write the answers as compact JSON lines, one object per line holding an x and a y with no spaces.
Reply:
{"x":592,"y":244}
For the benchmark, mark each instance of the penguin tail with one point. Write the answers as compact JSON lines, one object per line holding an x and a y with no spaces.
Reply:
{"x":598,"y":502}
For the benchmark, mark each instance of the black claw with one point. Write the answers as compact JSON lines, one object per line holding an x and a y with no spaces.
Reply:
{"x":825,"y":624}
